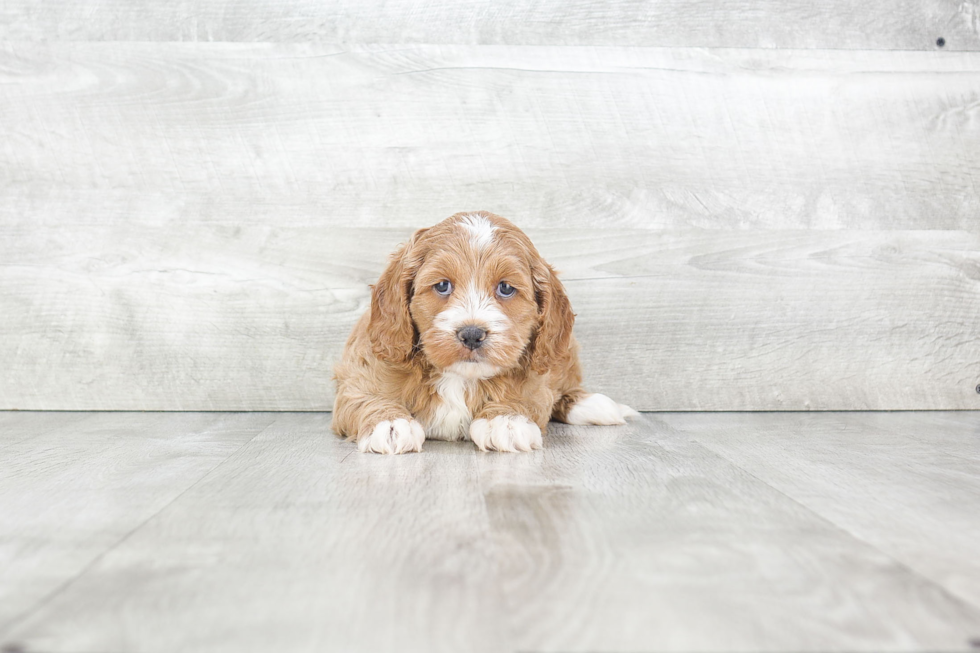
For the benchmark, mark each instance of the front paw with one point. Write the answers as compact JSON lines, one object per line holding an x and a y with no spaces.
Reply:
{"x":395,"y":436}
{"x":505,"y":433}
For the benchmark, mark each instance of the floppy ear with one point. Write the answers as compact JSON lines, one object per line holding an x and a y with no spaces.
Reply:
{"x":390,"y":329}
{"x":555,"y":318}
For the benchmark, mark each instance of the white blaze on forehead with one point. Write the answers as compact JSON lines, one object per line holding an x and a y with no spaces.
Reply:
{"x":472,"y":307}
{"x":480,"y":228}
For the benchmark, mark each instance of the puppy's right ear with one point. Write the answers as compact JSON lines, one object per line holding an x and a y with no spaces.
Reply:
{"x":390,"y":329}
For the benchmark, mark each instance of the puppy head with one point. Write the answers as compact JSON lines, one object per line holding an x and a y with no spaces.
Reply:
{"x":474,"y":297}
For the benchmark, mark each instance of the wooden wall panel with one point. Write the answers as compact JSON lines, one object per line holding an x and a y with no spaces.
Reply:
{"x":193,"y":226}
{"x":625,"y":137}
{"x":900,"y":24}
{"x":223,"y":317}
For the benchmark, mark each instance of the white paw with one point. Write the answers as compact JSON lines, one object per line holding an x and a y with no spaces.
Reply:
{"x":599,"y":409}
{"x":397,"y":436}
{"x":506,"y":433}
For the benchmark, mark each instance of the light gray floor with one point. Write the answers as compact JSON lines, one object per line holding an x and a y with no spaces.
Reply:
{"x":703,"y":532}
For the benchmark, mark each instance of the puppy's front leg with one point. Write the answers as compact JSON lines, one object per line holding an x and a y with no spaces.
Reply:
{"x":400,"y":435}
{"x":378,"y":425}
{"x":500,"y":430}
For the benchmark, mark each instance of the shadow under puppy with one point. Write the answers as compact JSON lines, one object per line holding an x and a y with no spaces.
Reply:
{"x":469,"y":336}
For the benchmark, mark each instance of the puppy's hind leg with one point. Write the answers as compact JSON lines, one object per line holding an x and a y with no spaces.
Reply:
{"x":581,"y":407}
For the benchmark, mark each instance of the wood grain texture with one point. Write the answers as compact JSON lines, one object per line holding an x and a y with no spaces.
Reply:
{"x":638,"y":538}
{"x":297,"y":542}
{"x":873,"y":490}
{"x":215,"y":316}
{"x":70,"y":493}
{"x":192,"y":226}
{"x":905,"y":24}
{"x":20,"y":426}
{"x":399,"y":136}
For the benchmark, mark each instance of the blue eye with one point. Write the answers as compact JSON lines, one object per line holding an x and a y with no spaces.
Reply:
{"x":443,"y":287}
{"x":504,"y":289}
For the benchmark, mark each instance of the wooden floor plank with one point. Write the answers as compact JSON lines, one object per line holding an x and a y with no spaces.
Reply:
{"x":906,"y":483}
{"x":73,"y":492}
{"x":17,"y":425}
{"x":297,"y":542}
{"x":616,"y":539}
{"x":638,"y":540}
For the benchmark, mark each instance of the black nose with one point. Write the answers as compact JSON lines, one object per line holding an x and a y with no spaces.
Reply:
{"x":471,"y":336}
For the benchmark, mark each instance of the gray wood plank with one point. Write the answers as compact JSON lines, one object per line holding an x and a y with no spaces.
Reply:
{"x":640,"y":540}
{"x":252,"y":317}
{"x":297,"y":542}
{"x":19,"y":426}
{"x":398,"y":136}
{"x":905,"y":24}
{"x":174,"y":217}
{"x":906,"y":483}
{"x":788,"y":321}
{"x":72,"y":493}
{"x":630,"y":539}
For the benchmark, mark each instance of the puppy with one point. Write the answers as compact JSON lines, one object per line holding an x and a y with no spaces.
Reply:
{"x":469,"y":336}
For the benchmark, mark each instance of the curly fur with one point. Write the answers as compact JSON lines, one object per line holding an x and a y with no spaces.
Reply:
{"x":405,"y":371}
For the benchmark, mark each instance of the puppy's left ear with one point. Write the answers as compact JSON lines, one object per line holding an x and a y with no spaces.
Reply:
{"x":391,"y":330}
{"x":555,"y":318}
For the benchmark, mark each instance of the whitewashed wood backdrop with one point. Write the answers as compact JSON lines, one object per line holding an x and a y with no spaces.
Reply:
{"x":756,"y":205}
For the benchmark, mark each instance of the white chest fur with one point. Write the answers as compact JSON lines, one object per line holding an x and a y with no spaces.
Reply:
{"x":451,"y":418}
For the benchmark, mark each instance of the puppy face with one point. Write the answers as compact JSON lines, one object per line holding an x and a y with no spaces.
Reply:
{"x":473,"y":296}
{"x":473,"y":302}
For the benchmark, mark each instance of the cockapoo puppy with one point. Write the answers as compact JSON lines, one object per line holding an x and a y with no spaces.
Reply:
{"x":469,"y":336}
